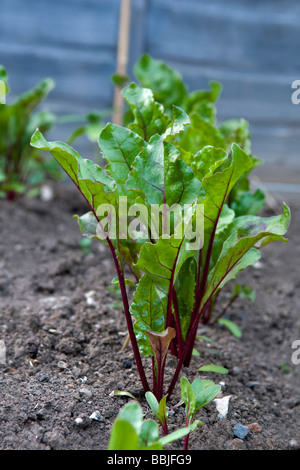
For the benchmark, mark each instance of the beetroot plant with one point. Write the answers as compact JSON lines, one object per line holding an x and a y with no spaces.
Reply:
{"x":164,"y":213}
{"x":22,"y":168}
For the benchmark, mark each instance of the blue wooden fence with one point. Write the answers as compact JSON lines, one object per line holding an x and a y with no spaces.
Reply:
{"x":251,"y":47}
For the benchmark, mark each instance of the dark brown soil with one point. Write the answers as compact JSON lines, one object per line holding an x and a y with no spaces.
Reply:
{"x":63,"y":351}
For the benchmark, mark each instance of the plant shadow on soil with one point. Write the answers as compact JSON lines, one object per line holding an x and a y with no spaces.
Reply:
{"x":63,"y":332}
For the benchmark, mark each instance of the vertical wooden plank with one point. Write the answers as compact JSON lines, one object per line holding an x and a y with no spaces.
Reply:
{"x":122,"y":57}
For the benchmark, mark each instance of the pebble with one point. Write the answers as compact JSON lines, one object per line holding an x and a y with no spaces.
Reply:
{"x":127,"y":364}
{"x":234,"y":444}
{"x":254,"y":428}
{"x":253,"y":384}
{"x":46,"y":193}
{"x":85,"y":392}
{"x":43,"y":377}
{"x":90,"y":299}
{"x":62,"y":365}
{"x":82,"y":421}
{"x":95,"y":415}
{"x":293,"y":443}
{"x":222,"y":405}
{"x":240,"y":431}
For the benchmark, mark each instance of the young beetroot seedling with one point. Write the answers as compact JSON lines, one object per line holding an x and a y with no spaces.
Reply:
{"x":163,"y":213}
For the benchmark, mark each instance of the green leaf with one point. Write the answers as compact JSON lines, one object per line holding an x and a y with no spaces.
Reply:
{"x":245,"y":292}
{"x":167,"y":84}
{"x":233,"y":328}
{"x":226,"y":217}
{"x":188,"y":396}
{"x":236,"y":130}
{"x":218,"y":186}
{"x":94,"y":184}
{"x":163,"y":412}
{"x":239,"y":250}
{"x":149,"y":434}
{"x":213,"y":368}
{"x":132,"y":412}
{"x":207,"y":395}
{"x":199,"y":385}
{"x":199,"y":134}
{"x":128,"y":282}
{"x":149,"y":117}
{"x":163,"y":176}
{"x":121,"y":393}
{"x":207,"y":161}
{"x":203,"y":101}
{"x":152,"y":402}
{"x":119,"y":147}
{"x":123,"y":436}
{"x":175,"y":435}
{"x":159,"y":409}
{"x":247,"y":203}
{"x":87,"y":224}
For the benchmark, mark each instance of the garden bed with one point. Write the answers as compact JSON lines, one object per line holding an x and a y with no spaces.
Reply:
{"x":64,"y":331}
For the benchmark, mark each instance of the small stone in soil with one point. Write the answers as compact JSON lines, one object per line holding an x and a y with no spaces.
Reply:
{"x":234,"y":444}
{"x":62,"y":365}
{"x":85,"y":392}
{"x":254,"y":428}
{"x":127,"y":364}
{"x":82,"y":421}
{"x":240,"y":431}
{"x":253,"y":384}
{"x":222,"y":405}
{"x":95,"y":415}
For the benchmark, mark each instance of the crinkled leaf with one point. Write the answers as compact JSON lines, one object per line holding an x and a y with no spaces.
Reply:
{"x":163,"y":176}
{"x":239,"y":250}
{"x":207,"y":161}
{"x":149,"y":116}
{"x":119,"y":147}
{"x":161,"y":261}
{"x":218,"y":186}
{"x":203,"y":102}
{"x":167,"y":84}
{"x":226,"y":217}
{"x":87,"y":224}
{"x":199,"y":134}
{"x":236,"y":130}
{"x":248,"y":203}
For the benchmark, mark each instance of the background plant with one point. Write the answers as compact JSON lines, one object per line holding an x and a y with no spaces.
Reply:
{"x":23,"y":168}
{"x":174,"y":283}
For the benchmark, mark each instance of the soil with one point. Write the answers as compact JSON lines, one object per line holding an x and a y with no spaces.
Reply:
{"x":63,"y":331}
